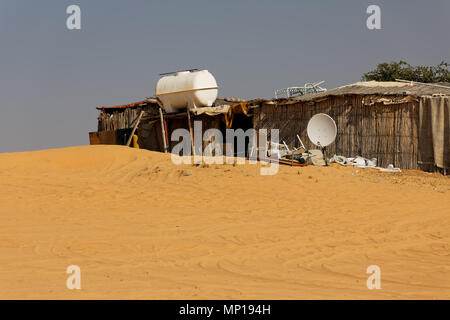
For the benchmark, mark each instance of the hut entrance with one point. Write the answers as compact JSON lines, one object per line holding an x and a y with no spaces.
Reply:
{"x":241,"y":121}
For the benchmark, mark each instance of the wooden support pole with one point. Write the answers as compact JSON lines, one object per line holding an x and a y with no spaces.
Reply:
{"x":163,"y":130}
{"x":190,"y":130}
{"x":135,"y":127}
{"x":166,"y":131}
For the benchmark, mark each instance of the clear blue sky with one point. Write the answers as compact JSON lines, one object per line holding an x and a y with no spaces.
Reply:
{"x":51,"y":79}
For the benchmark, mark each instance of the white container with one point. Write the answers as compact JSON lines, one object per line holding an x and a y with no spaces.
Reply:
{"x":187,"y":89}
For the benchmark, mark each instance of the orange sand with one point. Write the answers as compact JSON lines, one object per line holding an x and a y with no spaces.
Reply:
{"x":139,"y":228}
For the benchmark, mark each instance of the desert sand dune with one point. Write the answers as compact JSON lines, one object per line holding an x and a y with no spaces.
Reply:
{"x":141,"y":227}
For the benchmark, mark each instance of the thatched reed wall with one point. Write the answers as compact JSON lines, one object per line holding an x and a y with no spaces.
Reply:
{"x":386,"y":132}
{"x":120,"y":119}
{"x":124,"y":118}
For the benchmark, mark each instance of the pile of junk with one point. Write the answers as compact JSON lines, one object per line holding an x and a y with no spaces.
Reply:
{"x":322,"y":132}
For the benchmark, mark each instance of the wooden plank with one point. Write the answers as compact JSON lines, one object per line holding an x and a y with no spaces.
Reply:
{"x":103,"y":137}
{"x":94,"y":138}
{"x":135,"y":127}
{"x":191,"y":132}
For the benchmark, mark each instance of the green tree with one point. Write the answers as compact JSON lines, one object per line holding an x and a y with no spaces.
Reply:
{"x":403,"y":70}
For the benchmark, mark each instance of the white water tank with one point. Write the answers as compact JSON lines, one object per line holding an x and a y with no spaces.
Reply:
{"x":186,"y":89}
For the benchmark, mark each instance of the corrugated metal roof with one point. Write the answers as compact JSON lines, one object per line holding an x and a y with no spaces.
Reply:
{"x":219,"y":101}
{"x":131,"y":105}
{"x":374,"y":88}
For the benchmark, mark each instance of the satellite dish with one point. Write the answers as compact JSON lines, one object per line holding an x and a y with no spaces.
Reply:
{"x":322,"y":130}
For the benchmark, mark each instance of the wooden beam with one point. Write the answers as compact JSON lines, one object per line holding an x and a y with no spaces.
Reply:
{"x":190,"y":130}
{"x":163,"y":130}
{"x":135,"y":127}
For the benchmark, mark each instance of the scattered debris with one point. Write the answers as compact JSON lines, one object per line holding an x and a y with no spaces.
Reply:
{"x":300,"y":91}
{"x":362,"y":163}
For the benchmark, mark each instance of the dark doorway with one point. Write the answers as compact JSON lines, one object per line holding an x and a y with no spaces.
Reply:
{"x":241,"y":121}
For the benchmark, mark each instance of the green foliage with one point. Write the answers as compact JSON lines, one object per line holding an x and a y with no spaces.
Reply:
{"x":403,"y":70}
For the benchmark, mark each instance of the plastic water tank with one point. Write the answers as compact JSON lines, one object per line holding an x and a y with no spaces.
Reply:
{"x":187,"y":89}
